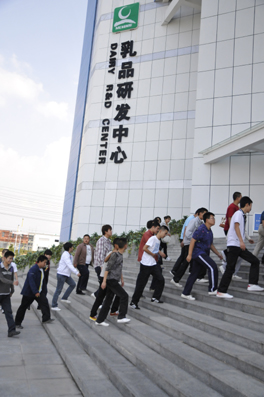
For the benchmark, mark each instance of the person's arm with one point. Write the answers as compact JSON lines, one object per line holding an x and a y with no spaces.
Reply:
{"x":161,"y":254}
{"x":237,"y":230}
{"x":216,"y":252}
{"x":191,"y":247}
{"x":32,"y":283}
{"x":77,"y":255}
{"x":122,"y":280}
{"x":69,"y":264}
{"x":248,"y":238}
{"x":103,"y":285}
{"x":6,"y":281}
{"x":182,"y":244}
{"x":145,"y":248}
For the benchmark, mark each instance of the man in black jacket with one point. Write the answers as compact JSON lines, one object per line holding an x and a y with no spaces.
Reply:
{"x":7,"y":289}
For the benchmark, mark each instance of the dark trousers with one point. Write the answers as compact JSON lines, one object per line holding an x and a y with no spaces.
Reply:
{"x":142,"y":279}
{"x":100,"y":279}
{"x":163,"y":246}
{"x":180,"y":260}
{"x":184,"y":266}
{"x":155,"y":282}
{"x":26,"y":301}
{"x":202,"y":261}
{"x":114,"y":288}
{"x":101,"y":293}
{"x":232,"y":255}
{"x":83,"y":279}
{"x":5,"y":302}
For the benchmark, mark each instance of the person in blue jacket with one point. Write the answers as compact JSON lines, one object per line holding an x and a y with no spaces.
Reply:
{"x":35,"y":288}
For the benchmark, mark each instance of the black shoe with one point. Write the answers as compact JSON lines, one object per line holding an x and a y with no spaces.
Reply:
{"x":13,"y":333}
{"x":19,"y":326}
{"x":134,"y":305}
{"x":80,"y":293}
{"x":50,"y":320}
{"x":156,"y":300}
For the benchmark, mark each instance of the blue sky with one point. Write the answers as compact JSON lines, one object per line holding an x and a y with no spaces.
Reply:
{"x":40,"y":54}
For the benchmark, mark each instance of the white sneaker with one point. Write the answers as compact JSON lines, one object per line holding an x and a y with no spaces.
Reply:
{"x":212,"y":292}
{"x":57,"y":309}
{"x":65,"y":301}
{"x":93,"y":296}
{"x":235,"y":277}
{"x":103,"y":324}
{"x":176,"y":284}
{"x":202,"y":280}
{"x":168,"y":258}
{"x":224,"y":295}
{"x":223,"y":255}
{"x":188,"y":297}
{"x":123,"y":320}
{"x":222,"y":269}
{"x":254,"y":287}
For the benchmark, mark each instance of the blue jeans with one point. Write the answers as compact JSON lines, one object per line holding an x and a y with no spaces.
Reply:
{"x":61,"y":280}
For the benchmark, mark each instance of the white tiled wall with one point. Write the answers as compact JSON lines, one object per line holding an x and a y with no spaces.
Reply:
{"x":159,"y":148}
{"x":230,"y":99}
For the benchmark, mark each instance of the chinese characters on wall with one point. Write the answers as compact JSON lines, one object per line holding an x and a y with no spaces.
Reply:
{"x":123,"y":92}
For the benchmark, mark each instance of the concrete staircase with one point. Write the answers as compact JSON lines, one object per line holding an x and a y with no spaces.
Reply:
{"x":209,"y":347}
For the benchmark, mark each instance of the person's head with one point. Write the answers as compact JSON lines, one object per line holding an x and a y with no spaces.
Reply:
{"x":48,"y":254}
{"x":149,"y":224}
{"x":167,"y":219}
{"x":246,"y":204}
{"x":155,"y":227}
{"x":115,"y":243}
{"x":237,"y":197}
{"x":158,"y":218}
{"x":162,"y":232}
{"x":4,"y":251}
{"x":107,"y":231}
{"x":42,"y":261}
{"x":122,"y":244}
{"x":201,"y":211}
{"x":209,"y":219}
{"x":86,"y":239}
{"x":8,"y":257}
{"x":68,"y":247}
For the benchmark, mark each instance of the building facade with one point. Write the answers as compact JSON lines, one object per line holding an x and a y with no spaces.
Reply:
{"x":172,"y":114}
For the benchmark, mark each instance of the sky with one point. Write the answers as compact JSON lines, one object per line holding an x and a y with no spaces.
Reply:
{"x":40,"y":55}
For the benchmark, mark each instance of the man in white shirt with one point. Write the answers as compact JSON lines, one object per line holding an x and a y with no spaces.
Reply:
{"x":148,"y":266}
{"x":236,"y":248}
{"x":64,"y":271}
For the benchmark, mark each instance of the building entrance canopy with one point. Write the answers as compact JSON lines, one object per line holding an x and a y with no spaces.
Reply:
{"x":250,"y":140}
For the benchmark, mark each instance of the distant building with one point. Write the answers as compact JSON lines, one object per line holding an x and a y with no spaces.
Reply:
{"x":28,"y":241}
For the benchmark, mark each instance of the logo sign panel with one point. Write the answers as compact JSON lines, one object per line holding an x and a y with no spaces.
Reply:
{"x":125,"y":18}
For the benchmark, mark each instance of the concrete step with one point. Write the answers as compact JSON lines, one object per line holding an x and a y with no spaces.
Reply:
{"x":156,"y":375}
{"x":198,"y":363}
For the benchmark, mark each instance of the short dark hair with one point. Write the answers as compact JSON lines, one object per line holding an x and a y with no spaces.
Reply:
{"x":207,"y":216}
{"x":202,"y":209}
{"x":163,"y":227}
{"x":149,"y":224}
{"x":105,"y":229}
{"x":48,"y":252}
{"x":155,"y":223}
{"x":122,"y":242}
{"x":196,"y":212}
{"x":4,"y":250}
{"x":156,"y":219}
{"x":115,"y":241}
{"x":236,"y":195}
{"x":244,"y":201}
{"x":41,"y":258}
{"x":86,"y":235}
{"x":67,"y":246}
{"x":9,"y":253}
{"x":166,"y":217}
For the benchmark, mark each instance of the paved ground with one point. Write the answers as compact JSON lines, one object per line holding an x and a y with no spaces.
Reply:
{"x":29,"y":363}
